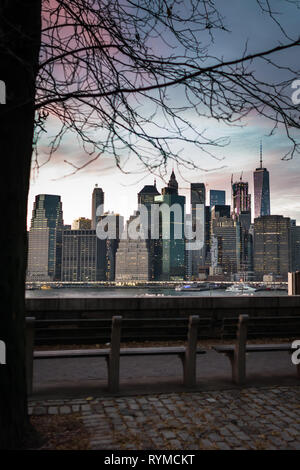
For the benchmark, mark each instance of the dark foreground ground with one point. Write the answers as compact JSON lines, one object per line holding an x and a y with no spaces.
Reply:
{"x":72,"y":409}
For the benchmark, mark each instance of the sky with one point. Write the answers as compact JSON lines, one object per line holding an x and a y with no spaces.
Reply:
{"x":240,"y":155}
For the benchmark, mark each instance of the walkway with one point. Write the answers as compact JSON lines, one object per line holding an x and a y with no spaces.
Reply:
{"x":249,"y":418}
{"x":153,"y":411}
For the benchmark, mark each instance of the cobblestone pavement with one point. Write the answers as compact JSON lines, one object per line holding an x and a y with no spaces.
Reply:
{"x":248,"y":418}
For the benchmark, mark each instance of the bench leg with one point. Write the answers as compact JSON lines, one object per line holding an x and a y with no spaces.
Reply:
{"x":190,"y":356}
{"x":189,"y":374}
{"x":113,"y":361}
{"x":239,"y":359}
{"x":113,"y":373}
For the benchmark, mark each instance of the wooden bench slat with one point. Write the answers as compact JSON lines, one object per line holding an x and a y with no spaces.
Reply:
{"x":156,"y":351}
{"x":70,"y":353}
{"x":255,"y":348}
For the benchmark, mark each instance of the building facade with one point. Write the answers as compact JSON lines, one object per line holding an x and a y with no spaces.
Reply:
{"x":146,"y":198}
{"x":225,"y":245}
{"x":171,"y":231}
{"x":295,"y":246}
{"x":97,"y":201}
{"x":241,"y":199}
{"x":272,"y":246}
{"x":83,"y":256}
{"x":200,"y":216}
{"x":132,"y":258}
{"x":45,"y":239}
{"x":82,"y":224}
{"x":261,"y":190}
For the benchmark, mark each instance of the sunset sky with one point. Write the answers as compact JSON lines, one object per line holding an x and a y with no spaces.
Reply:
{"x":242,"y":153}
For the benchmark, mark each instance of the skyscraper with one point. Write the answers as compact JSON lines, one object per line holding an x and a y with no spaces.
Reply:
{"x":198,"y":212}
{"x":225,"y":244}
{"x":132,"y":258}
{"x":44,"y":241}
{"x":217,"y":198}
{"x":272,"y":246}
{"x":261,"y":190}
{"x":112,"y":244}
{"x":83,"y":256}
{"x":97,"y":200}
{"x":172,"y":231}
{"x":241,"y":200}
{"x":295,"y":246}
{"x":146,"y":197}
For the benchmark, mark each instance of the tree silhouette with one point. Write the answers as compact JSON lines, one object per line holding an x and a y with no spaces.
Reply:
{"x":124,"y":76}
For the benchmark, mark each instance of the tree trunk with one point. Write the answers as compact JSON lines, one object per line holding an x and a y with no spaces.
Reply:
{"x":20,"y":30}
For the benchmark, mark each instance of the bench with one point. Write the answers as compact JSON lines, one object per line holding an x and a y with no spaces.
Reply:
{"x":112,"y":355}
{"x":237,"y":352}
{"x":264,"y":325}
{"x":67,"y":329}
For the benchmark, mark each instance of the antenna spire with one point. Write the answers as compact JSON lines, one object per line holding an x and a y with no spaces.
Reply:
{"x":260,"y":154}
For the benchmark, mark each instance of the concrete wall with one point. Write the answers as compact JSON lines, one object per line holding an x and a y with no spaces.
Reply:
{"x":217,"y":307}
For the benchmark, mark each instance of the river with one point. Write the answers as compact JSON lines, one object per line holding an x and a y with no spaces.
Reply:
{"x":138,"y":292}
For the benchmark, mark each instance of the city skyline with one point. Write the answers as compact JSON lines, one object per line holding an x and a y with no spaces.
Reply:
{"x":123,"y":199}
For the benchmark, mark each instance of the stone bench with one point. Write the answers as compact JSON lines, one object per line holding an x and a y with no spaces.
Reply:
{"x":112,"y":355}
{"x":237,"y":352}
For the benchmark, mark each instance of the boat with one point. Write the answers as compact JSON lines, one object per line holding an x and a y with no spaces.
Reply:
{"x":45,"y":287}
{"x":241,"y":288}
{"x":193,"y":287}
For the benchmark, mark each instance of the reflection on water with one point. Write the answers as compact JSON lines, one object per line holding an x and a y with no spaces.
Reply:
{"x":138,"y":292}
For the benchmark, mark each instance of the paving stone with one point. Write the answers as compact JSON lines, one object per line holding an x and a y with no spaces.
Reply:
{"x":39,"y":410}
{"x":53,"y":410}
{"x":254,"y":418}
{"x":65,"y":410}
{"x":168,"y":434}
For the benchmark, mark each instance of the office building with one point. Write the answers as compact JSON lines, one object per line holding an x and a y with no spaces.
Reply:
{"x":199,"y":222}
{"x":295,"y":246}
{"x":272,"y":246}
{"x":132,"y":258}
{"x":172,"y":231}
{"x":112,"y":243}
{"x":97,"y":205}
{"x":261,"y":190}
{"x":44,"y":240}
{"x":241,"y":200}
{"x":82,"y":224}
{"x":225,"y":245}
{"x":220,"y":210}
{"x":83,"y":256}
{"x":146,"y":198}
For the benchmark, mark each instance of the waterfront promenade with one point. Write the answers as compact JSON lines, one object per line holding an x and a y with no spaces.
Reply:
{"x":152,"y":410}
{"x":254,"y":418}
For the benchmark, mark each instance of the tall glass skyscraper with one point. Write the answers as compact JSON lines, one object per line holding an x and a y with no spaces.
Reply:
{"x":146,"y":197}
{"x":45,"y":239}
{"x":173,"y":248}
{"x":261,"y":190}
{"x":97,"y":200}
{"x":241,"y":200}
{"x":198,"y":195}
